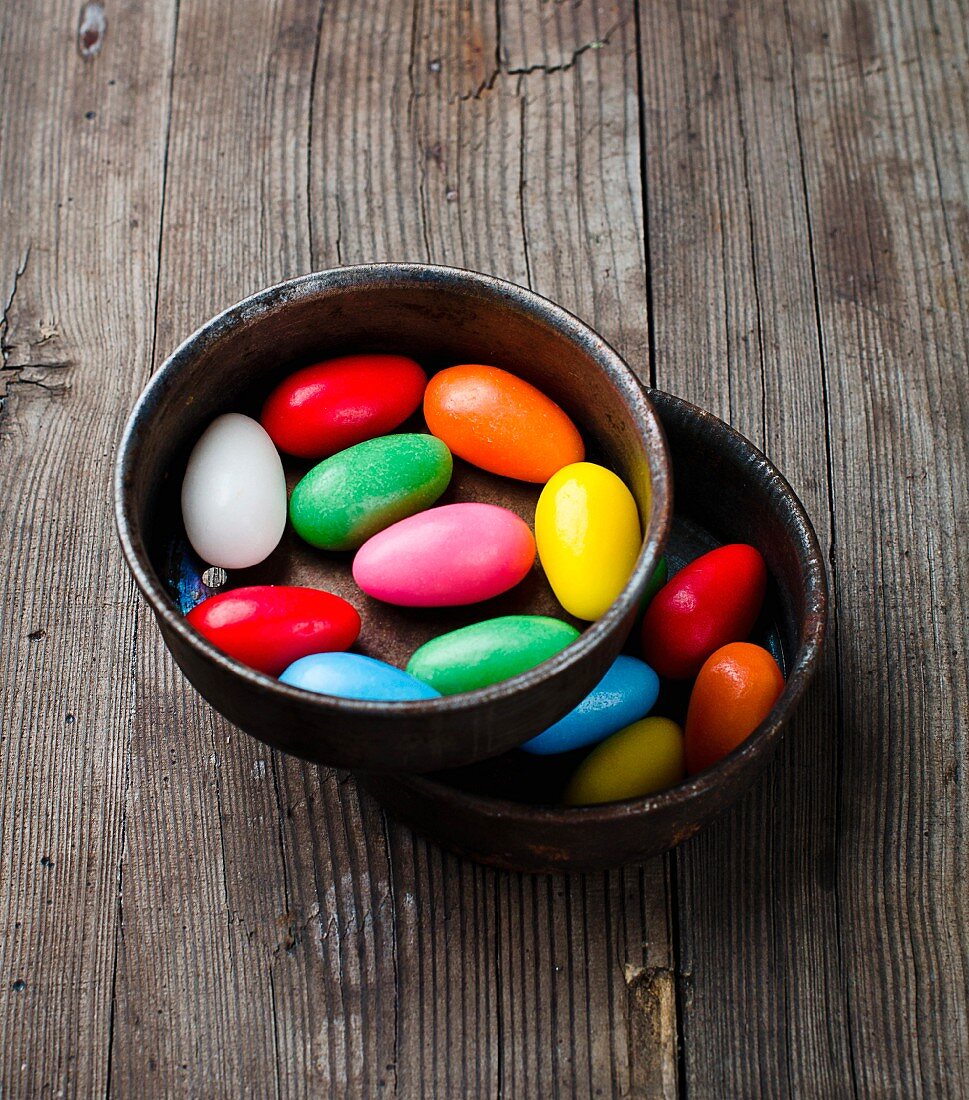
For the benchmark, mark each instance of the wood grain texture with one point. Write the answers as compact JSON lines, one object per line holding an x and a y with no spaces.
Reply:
{"x":80,"y":188}
{"x":529,"y":986}
{"x":805,"y":172}
{"x":735,"y":330}
{"x":886,"y":175}
{"x":764,"y":208}
{"x":278,"y":936}
{"x":207,"y":905}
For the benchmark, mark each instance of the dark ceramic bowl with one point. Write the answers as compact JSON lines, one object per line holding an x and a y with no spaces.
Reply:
{"x":502,"y":811}
{"x":440,"y":316}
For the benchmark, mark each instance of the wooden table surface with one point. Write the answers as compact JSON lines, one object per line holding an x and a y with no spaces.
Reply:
{"x":765,"y":206}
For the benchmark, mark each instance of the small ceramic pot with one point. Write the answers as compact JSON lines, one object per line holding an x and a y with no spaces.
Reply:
{"x":440,"y":316}
{"x":503,"y":811}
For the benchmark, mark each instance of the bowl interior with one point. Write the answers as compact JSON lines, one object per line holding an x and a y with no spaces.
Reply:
{"x":506,"y":810}
{"x":531,"y":780}
{"x":387,"y":632}
{"x":437,"y":316}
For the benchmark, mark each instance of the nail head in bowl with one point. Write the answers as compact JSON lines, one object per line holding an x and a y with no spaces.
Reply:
{"x":439,"y":316}
{"x":502,"y":811}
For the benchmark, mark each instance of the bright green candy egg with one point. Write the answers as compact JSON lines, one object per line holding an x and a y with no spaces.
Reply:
{"x":355,"y":493}
{"x":484,"y":653}
{"x":641,"y":759}
{"x":661,"y":574}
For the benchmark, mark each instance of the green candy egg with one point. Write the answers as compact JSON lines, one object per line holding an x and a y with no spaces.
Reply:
{"x":484,"y":653}
{"x":661,"y":574}
{"x":355,"y":493}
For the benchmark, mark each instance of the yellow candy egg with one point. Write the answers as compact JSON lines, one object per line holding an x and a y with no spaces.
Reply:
{"x":638,"y":760}
{"x":588,"y":536}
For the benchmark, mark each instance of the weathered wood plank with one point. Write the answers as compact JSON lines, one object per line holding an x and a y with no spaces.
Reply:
{"x":534,"y":986}
{"x":315,"y":948}
{"x":80,"y":188}
{"x":207,"y":907}
{"x":886,"y":176}
{"x":735,"y":329}
{"x":804,"y":187}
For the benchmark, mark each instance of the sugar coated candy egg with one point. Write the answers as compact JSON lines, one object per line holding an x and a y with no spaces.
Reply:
{"x":450,"y":555}
{"x":626,"y":693}
{"x":332,"y":405}
{"x":712,"y":601}
{"x":484,"y":653}
{"x":355,"y":493}
{"x":234,"y":494}
{"x":588,"y":535}
{"x":500,"y":422}
{"x":734,"y":692}
{"x":354,"y":676}
{"x":268,"y":627}
{"x":640,"y":759}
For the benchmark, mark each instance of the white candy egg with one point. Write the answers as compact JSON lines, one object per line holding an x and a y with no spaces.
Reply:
{"x":234,"y":494}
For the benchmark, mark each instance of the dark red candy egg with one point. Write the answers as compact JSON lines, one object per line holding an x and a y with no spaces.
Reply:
{"x":269,"y":626}
{"x":712,"y":601}
{"x":330,"y":406}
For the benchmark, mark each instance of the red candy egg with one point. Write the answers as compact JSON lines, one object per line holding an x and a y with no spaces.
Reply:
{"x":330,"y":406}
{"x":712,"y":601}
{"x":269,"y":626}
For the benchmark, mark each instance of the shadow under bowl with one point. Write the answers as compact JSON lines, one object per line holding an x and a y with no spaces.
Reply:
{"x":439,"y":316}
{"x":502,"y":811}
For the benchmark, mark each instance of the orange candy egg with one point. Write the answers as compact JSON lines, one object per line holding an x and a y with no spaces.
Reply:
{"x":501,"y":423}
{"x":734,"y":692}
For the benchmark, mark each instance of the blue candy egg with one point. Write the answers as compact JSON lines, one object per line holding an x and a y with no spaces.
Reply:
{"x":626,"y":693}
{"x":353,"y":676}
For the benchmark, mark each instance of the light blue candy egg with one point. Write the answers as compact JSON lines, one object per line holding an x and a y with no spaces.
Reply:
{"x":353,"y":676}
{"x":626,"y":693}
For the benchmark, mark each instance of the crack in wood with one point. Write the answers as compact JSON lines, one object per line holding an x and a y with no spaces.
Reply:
{"x":119,"y":876}
{"x":164,"y":183}
{"x":28,"y":373}
{"x":422,"y":161}
{"x":310,"y":221}
{"x":644,"y":184}
{"x":5,"y":348}
{"x":501,"y":69}
{"x":521,"y":192}
{"x":14,"y":376}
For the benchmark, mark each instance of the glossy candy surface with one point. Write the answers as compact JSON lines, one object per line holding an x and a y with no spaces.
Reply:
{"x":626,"y":693}
{"x":712,"y":601}
{"x":269,"y":626}
{"x":484,"y":653}
{"x":588,"y":535}
{"x":447,"y":556}
{"x":354,"y":494}
{"x":234,"y":494}
{"x":332,"y":405}
{"x":354,"y":676}
{"x":734,"y":692}
{"x":500,"y":422}
{"x":638,"y":760}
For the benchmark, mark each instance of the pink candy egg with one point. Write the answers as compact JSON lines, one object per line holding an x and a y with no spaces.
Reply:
{"x":455,"y":554}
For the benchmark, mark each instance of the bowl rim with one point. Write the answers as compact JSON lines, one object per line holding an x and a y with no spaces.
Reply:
{"x":759,"y":743}
{"x":395,"y":275}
